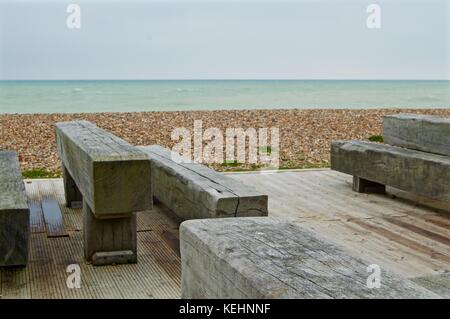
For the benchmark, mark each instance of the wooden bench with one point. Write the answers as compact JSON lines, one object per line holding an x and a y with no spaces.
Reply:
{"x":415,"y":162}
{"x":14,"y":213}
{"x":424,"y":133}
{"x":111,"y":176}
{"x":266,"y":258}
{"x":192,"y":190}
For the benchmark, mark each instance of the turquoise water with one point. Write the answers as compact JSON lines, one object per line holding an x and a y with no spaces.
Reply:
{"x":152,"y":95}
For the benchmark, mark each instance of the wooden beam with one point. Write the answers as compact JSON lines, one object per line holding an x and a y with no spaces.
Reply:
{"x":409,"y":170}
{"x":112,"y":241}
{"x":419,"y":132}
{"x":53,"y":218}
{"x":111,"y":174}
{"x":14,"y":213}
{"x":192,"y":190}
{"x":71,"y":191}
{"x":260,"y":258}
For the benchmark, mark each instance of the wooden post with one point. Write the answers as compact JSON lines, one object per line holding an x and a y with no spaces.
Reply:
{"x":109,"y":241}
{"x":362,"y":185}
{"x":71,"y":191}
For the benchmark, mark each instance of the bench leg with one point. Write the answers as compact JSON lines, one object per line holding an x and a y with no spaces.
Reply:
{"x":362,"y":185}
{"x":109,"y":241}
{"x":71,"y":191}
{"x":14,"y":237}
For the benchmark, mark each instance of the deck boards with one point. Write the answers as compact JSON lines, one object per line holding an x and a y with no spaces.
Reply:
{"x":157,"y":274}
{"x":53,"y":218}
{"x":399,"y":235}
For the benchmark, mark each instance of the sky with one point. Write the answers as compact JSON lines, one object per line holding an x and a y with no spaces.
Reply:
{"x":224,"y":39}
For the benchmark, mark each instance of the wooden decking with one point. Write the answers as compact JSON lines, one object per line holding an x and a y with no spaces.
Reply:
{"x":157,"y":274}
{"x":409,"y":239}
{"x":395,"y":233}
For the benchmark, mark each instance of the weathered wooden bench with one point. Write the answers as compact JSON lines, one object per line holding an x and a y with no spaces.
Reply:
{"x":14,"y":213}
{"x":192,"y":190}
{"x":415,"y":159}
{"x":111,"y":176}
{"x":424,"y":133}
{"x":265,"y":258}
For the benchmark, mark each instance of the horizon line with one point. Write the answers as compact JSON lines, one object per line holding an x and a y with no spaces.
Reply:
{"x":229,"y":79}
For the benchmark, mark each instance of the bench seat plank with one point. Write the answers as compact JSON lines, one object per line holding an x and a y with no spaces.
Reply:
{"x":409,"y":170}
{"x":111,"y":177}
{"x":419,"y":132}
{"x":192,"y":190}
{"x":268,"y":258}
{"x":109,"y":172}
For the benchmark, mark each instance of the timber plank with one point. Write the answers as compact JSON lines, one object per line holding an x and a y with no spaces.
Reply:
{"x":439,"y":284}
{"x":14,"y":213}
{"x":192,"y":190}
{"x":53,"y":218}
{"x":410,"y":170}
{"x":109,"y":172}
{"x":376,"y":249}
{"x":268,"y":258}
{"x":419,"y":132}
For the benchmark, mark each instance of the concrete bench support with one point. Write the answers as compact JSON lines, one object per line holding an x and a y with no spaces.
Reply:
{"x":112,"y":178}
{"x":14,"y":213}
{"x":192,"y":190}
{"x":261,"y":258}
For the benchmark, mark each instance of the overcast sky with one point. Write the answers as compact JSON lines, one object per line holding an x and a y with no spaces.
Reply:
{"x":225,"y":39}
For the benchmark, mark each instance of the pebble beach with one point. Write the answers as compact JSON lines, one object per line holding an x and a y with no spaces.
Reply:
{"x":305,"y":135}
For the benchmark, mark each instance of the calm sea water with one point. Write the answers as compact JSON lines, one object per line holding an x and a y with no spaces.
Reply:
{"x":129,"y":96}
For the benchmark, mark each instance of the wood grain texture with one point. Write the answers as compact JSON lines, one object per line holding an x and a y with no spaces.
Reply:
{"x":439,"y":284}
{"x":419,"y":132}
{"x":157,"y":275}
{"x":270,"y":258}
{"x":192,"y":190}
{"x":111,"y":174}
{"x":321,"y":201}
{"x":410,"y":170}
{"x":53,"y":218}
{"x":14,"y":213}
{"x":108,"y":236}
{"x":71,"y":191}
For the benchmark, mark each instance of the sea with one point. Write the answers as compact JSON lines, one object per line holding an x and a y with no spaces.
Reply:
{"x":180,"y":95}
